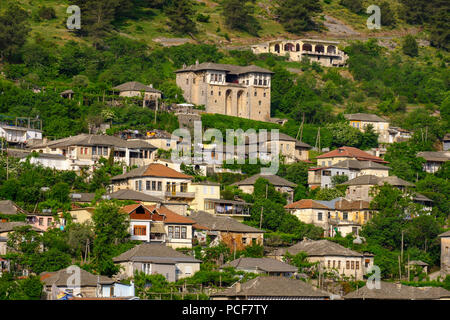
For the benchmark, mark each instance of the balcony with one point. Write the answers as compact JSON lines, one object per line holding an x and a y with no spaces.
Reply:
{"x":330,"y":54}
{"x":179,"y":194}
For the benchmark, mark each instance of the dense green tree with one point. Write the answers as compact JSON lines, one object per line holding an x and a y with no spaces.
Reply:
{"x":11,"y":288}
{"x":180,"y":14}
{"x":410,"y":47}
{"x":239,"y":15}
{"x":387,"y":14}
{"x":111,"y":230}
{"x":355,"y":6}
{"x":344,"y":135}
{"x":14,"y":30}
{"x":297,"y":16}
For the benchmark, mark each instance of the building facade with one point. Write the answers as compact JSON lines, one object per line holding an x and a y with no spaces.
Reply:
{"x":324,"y":52}
{"x":227,"y":89}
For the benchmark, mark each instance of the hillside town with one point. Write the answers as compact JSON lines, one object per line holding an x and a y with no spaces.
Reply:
{"x":272,"y":172}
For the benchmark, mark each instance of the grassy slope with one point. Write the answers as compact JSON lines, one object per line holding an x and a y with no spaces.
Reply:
{"x":151,"y":24}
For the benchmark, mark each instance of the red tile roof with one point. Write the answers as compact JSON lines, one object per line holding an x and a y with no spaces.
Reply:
{"x":351,"y":152}
{"x":160,"y":170}
{"x":170,"y":216}
{"x":306,"y":204}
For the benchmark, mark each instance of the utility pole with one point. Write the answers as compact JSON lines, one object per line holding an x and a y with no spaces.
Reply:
{"x":409,"y":273}
{"x":399,"y":268}
{"x":300,"y":129}
{"x":402,"y":246}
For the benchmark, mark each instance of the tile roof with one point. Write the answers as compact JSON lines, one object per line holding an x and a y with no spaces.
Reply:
{"x":88,"y":140}
{"x":394,"y":291}
{"x":9,"y":226}
{"x":437,"y":156}
{"x":126,"y":194}
{"x":445,"y":234}
{"x":357,"y":164}
{"x":274,"y":287}
{"x":152,"y":170}
{"x":169,"y":215}
{"x":273,"y":179}
{"x":374,"y":180}
{"x":306,"y":204}
{"x":60,"y":278}
{"x":154,"y":252}
{"x":135,"y":86}
{"x":9,"y":207}
{"x":351,"y":152}
{"x":216,"y":223}
{"x":229,"y":68}
{"x":264,"y":264}
{"x":364,"y":117}
{"x":319,"y":248}
{"x":82,"y":196}
{"x":345,"y":204}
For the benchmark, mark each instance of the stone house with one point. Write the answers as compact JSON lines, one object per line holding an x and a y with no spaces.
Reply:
{"x":266,"y":266}
{"x":362,"y":120}
{"x":150,"y":95}
{"x":227,"y":89}
{"x":346,"y":153}
{"x":157,"y":223}
{"x":331,"y":257}
{"x":324,"y":52}
{"x":434,"y":160}
{"x":153,"y":258}
{"x":234,"y":234}
{"x":281,"y":185}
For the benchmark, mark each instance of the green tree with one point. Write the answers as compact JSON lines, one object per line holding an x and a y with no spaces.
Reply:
{"x":387,"y":14}
{"x":14,"y":30}
{"x":344,"y":135}
{"x":297,"y":16}
{"x":180,"y":14}
{"x":410,"y":47}
{"x":239,"y":15}
{"x":111,"y":230}
{"x":355,"y":6}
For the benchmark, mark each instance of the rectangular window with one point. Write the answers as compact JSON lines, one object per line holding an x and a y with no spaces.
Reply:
{"x":183,"y":187}
{"x":183,"y":232}
{"x":154,"y":185}
{"x":345,"y":215}
{"x":357,"y":265}
{"x":170,"y":232}
{"x":49,"y":221}
{"x":339,"y":264}
{"x":353,"y":265}
{"x":168,"y":186}
{"x":177,"y":233}
{"x":140,"y":230}
{"x":334,"y":264}
{"x":319,"y":216}
{"x":347,"y":265}
{"x":329,"y":263}
{"x":94,"y":151}
{"x":41,"y":221}
{"x":147,"y":185}
{"x":159,"y":186}
{"x":105,"y":151}
{"x":255,"y":82}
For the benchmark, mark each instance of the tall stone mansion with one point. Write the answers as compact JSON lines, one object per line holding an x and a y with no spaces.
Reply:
{"x":323,"y":52}
{"x":227,"y":89}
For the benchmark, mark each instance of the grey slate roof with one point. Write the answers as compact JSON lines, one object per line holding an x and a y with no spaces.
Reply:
{"x":374,"y":180}
{"x":216,"y":223}
{"x":95,"y":140}
{"x":319,"y":248}
{"x":445,"y":234}
{"x":273,"y":179}
{"x":364,"y":117}
{"x":394,"y":291}
{"x":357,"y":164}
{"x":274,"y":287}
{"x":82,"y":196}
{"x":229,"y":68}
{"x":437,"y":156}
{"x":264,"y":264}
{"x":155,"y":252}
{"x":9,"y":226}
{"x":418,"y":263}
{"x":135,"y":86}
{"x":9,"y":207}
{"x":60,"y":278}
{"x":126,"y":194}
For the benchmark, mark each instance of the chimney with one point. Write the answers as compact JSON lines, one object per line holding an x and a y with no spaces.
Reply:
{"x":238,"y":287}
{"x":196,"y":62}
